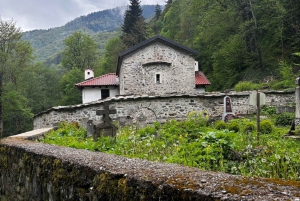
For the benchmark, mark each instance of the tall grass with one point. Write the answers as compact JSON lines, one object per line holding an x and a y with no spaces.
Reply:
{"x":194,"y":143}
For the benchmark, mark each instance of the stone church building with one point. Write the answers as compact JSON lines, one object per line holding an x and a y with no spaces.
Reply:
{"x":157,"y":66}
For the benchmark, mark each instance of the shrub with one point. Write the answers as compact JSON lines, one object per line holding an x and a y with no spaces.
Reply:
{"x":147,"y":131}
{"x":233,"y":126}
{"x":249,"y":127}
{"x":266,"y":110}
{"x":220,"y":125}
{"x":282,"y":85}
{"x":266,"y":126}
{"x":284,"y":119}
{"x":246,"y":86}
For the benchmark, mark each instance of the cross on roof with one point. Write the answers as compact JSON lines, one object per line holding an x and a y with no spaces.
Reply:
{"x":106,"y":112}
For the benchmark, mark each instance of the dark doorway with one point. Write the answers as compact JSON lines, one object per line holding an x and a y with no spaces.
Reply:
{"x":104,"y":93}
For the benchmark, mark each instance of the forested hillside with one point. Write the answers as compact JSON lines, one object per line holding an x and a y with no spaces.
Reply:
{"x":101,"y":25}
{"x":238,"y":39}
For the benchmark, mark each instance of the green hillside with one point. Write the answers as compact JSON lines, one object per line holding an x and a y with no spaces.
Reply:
{"x":102,"y":25}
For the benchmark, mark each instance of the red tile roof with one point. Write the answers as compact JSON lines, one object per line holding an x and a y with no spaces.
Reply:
{"x":110,"y":79}
{"x":200,"y":79}
{"x":104,"y":80}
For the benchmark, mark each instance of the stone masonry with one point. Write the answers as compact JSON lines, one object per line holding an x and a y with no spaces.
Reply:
{"x":176,"y":70}
{"x":147,"y":109}
{"x":31,"y":170}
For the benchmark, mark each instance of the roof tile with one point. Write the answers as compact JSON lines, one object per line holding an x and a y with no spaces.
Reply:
{"x":200,"y":79}
{"x":104,"y":80}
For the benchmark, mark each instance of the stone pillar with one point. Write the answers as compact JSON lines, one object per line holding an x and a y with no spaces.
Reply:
{"x":295,"y":127}
{"x":297,"y":101}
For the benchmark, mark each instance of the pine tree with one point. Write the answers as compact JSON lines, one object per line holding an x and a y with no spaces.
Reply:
{"x":134,"y":26}
{"x":157,"y":12}
{"x":156,"y":23}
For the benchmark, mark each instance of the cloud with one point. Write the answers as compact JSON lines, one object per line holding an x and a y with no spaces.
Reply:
{"x":44,"y":14}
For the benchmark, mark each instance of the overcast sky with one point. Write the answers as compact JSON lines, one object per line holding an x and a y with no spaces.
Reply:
{"x":44,"y":14}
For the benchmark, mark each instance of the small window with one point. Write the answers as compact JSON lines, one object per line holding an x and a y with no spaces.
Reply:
{"x":157,"y":78}
{"x":104,"y":93}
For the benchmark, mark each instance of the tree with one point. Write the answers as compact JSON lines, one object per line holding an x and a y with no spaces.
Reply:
{"x":109,"y":62}
{"x":157,"y":12}
{"x":172,"y":21}
{"x":40,"y":86}
{"x":15,"y":54}
{"x":70,"y":94}
{"x":80,"y":51}
{"x":134,"y":26}
{"x":291,"y":22}
{"x":155,"y":23}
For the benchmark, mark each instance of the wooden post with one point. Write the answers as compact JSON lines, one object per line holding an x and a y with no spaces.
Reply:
{"x":258,"y":114}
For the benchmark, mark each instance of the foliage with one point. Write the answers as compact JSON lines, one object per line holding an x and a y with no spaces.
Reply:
{"x":15,"y":56}
{"x":17,"y":116}
{"x":134,"y":25}
{"x":266,"y":126}
{"x":249,"y":127}
{"x":80,"y":51}
{"x":246,"y":86}
{"x":155,"y":22}
{"x":287,"y":77}
{"x":233,"y":126}
{"x":267,"y":110}
{"x":41,"y":87}
{"x":203,"y":147}
{"x":67,"y":135}
{"x":284,"y":119}
{"x":220,"y":125}
{"x":70,"y":94}
{"x":109,"y":61}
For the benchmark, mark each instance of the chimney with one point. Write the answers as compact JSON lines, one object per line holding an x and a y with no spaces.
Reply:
{"x":196,"y":66}
{"x":88,"y":74}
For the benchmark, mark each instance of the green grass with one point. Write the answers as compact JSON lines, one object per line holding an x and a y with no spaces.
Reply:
{"x":194,"y":143}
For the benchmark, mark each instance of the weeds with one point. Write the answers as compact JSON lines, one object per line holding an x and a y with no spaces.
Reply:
{"x":193,"y":143}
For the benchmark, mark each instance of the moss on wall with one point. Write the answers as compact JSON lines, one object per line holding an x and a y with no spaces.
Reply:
{"x":35,"y":171}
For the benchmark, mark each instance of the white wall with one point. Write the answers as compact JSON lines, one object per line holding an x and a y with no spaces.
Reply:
{"x":90,"y":94}
{"x":200,"y":89}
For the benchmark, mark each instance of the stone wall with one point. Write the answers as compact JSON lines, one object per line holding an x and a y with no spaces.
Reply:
{"x":35,"y":171}
{"x":147,"y":109}
{"x":176,"y":70}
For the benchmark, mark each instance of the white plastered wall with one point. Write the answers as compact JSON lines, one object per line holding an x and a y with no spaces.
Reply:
{"x":90,"y":94}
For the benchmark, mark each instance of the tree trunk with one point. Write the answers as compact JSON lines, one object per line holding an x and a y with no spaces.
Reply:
{"x":251,"y":32}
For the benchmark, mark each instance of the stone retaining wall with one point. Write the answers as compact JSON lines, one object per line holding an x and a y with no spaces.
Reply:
{"x":147,"y":109}
{"x":35,"y":171}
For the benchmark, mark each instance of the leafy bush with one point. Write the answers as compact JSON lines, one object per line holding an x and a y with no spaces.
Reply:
{"x":146,"y":131}
{"x":282,"y":85}
{"x":284,"y":119}
{"x":67,"y":135}
{"x":220,"y":125}
{"x":246,"y":86}
{"x":266,"y":126}
{"x":287,"y":77}
{"x":233,"y":126}
{"x":249,"y":127}
{"x":266,"y":110}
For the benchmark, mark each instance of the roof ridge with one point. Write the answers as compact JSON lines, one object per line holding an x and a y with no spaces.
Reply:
{"x":88,"y":80}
